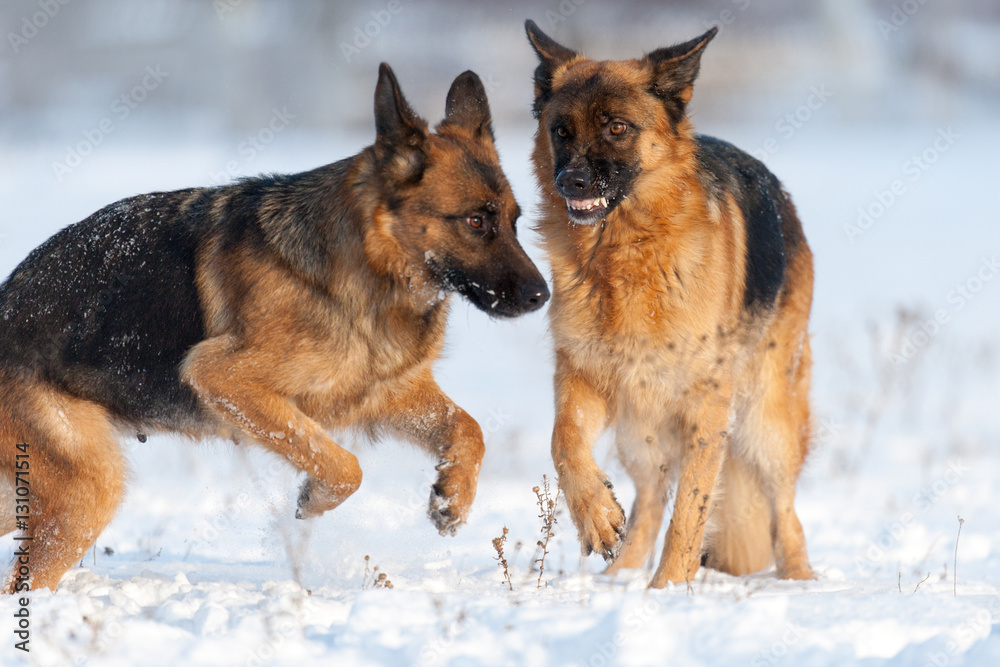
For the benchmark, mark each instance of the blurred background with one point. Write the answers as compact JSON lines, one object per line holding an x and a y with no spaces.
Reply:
{"x":882,"y":118}
{"x":230,"y":61}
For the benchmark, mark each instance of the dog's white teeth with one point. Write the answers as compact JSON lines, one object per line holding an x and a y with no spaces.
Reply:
{"x":587,"y":204}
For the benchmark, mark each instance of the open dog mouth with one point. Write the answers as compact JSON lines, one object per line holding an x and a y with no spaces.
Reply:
{"x":587,"y":205}
{"x":587,"y":211}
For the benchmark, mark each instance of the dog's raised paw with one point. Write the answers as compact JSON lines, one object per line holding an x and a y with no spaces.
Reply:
{"x":441,"y":513}
{"x":304,"y":503}
{"x":314,"y":499}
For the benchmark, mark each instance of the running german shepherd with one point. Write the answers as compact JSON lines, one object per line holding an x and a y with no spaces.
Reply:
{"x":682,"y":286}
{"x":269,"y":311}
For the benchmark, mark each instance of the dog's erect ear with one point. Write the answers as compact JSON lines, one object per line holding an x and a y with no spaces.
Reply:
{"x":674,"y":70}
{"x":551,"y":56}
{"x":549,"y":51}
{"x":399,"y":132}
{"x":467,"y":106}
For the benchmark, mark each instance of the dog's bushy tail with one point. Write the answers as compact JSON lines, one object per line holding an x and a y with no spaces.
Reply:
{"x":738,"y":535}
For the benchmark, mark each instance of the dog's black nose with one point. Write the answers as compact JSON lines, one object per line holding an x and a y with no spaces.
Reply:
{"x":534,"y":295}
{"x":573,"y":183}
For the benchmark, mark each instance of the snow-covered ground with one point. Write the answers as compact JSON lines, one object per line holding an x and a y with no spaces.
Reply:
{"x":205,"y":564}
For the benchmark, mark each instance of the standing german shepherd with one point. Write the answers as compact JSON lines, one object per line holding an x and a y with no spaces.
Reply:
{"x":270,"y":310}
{"x":682,"y":286}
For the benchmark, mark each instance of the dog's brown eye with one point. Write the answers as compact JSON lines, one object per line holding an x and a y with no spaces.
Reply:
{"x":561,"y":132}
{"x":475,"y":221}
{"x":618,"y":127}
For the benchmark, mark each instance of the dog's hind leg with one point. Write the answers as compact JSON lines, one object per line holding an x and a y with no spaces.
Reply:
{"x":738,"y":537}
{"x":237,"y":385}
{"x":771,"y":440}
{"x":777,"y":427}
{"x":423,"y":414}
{"x":74,"y":472}
{"x":787,"y":414}
{"x":769,"y":470}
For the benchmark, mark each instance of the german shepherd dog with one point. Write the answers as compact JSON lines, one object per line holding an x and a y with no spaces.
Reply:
{"x":270,"y":311}
{"x":682,"y":285}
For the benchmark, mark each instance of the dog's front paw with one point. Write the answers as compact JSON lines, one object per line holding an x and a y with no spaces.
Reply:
{"x":451,"y":498}
{"x":442,"y":515}
{"x":315,"y":499}
{"x":599,"y":518}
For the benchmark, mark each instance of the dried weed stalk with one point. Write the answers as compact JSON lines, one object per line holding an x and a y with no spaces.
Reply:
{"x":955,"y":568}
{"x":547,"y":513}
{"x":498,"y":543}
{"x":373,"y":578}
